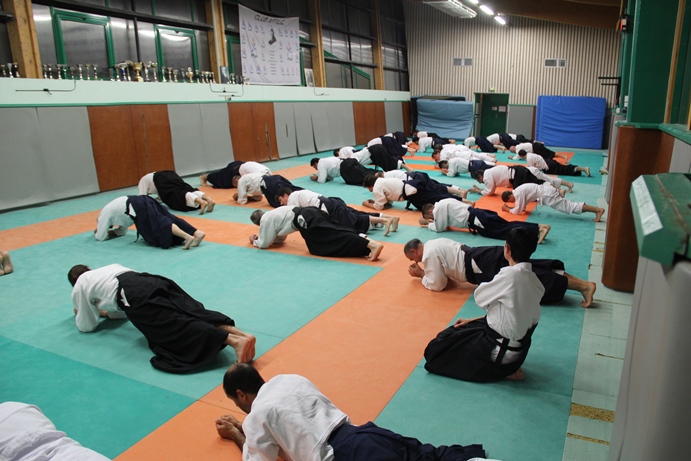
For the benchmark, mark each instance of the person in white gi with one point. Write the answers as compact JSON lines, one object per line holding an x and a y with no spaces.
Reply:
{"x":528,"y":147}
{"x":493,"y":138}
{"x":328,"y":168}
{"x":556,"y":181}
{"x":274,"y":226}
{"x":450,"y":151}
{"x":193,"y":199}
{"x":499,"y":176}
{"x":536,"y":162}
{"x":388,"y":190}
{"x":249,"y":188}
{"x":26,"y":434}
{"x":457,"y":166}
{"x":344,"y":152}
{"x":442,"y":259}
{"x":289,"y":417}
{"x":253,"y":167}
{"x":545,"y":194}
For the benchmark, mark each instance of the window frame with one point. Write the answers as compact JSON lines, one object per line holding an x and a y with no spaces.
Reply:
{"x":59,"y":15}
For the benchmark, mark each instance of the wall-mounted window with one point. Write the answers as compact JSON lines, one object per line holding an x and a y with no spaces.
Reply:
{"x":557,"y":63}
{"x":5,"y":51}
{"x":463,"y":62}
{"x":394,"y":50}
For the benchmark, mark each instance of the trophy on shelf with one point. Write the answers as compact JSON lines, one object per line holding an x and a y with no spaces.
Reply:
{"x":172,"y":75}
{"x":146,"y":65}
{"x":10,"y":66}
{"x":95,"y":71}
{"x":190,"y":74}
{"x":79,"y":66}
{"x":45,"y":70}
{"x":88,"y":71}
{"x":123,"y":71}
{"x":59,"y":67}
{"x":137,"y":66}
{"x":129,"y":66}
{"x":72,"y":69}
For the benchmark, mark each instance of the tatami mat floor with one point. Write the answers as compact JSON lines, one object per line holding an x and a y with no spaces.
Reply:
{"x":356,"y":329}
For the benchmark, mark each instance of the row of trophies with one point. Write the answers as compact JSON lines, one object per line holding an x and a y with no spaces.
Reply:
{"x":9,"y":70}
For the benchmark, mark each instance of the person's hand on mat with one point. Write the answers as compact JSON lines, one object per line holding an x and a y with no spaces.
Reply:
{"x":235,"y":196}
{"x":103,"y":313}
{"x":232,"y":420}
{"x":444,"y":171}
{"x":313,"y":177}
{"x":462,"y":322}
{"x":253,"y":237}
{"x":505,"y":208}
{"x":227,"y":430}
{"x":415,"y":271}
{"x":75,"y":311}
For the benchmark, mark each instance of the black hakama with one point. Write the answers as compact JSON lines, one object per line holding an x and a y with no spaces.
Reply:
{"x":353,"y":172}
{"x":507,"y":141}
{"x":383,"y":158}
{"x":428,"y":190}
{"x":477,"y":165}
{"x":490,"y":260}
{"x":484,"y":144}
{"x":154,"y":222}
{"x":542,"y":151}
{"x":395,"y":148}
{"x":494,"y":226}
{"x":223,"y":178}
{"x":400,"y":137}
{"x":180,"y":332}
{"x":172,"y":190}
{"x":326,"y":238}
{"x":372,"y":443}
{"x":438,"y":140}
{"x":559,"y":169}
{"x":521,"y":139}
{"x":522,"y":175}
{"x":345,"y":216}
{"x":465,"y":353}
{"x":274,"y":183}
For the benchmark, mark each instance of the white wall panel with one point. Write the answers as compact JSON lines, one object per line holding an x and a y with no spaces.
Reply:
{"x":286,"y":139}
{"x":218,"y":148}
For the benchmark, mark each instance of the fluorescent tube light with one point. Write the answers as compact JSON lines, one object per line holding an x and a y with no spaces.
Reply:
{"x":487,"y":10}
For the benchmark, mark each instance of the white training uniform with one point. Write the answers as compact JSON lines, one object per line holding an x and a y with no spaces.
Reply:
{"x":526,"y":146}
{"x":346,"y":152}
{"x":498,"y":176}
{"x":328,"y":168}
{"x":303,"y":198}
{"x":146,"y":185}
{"x":512,"y":301}
{"x":469,"y":141}
{"x":494,"y":138}
{"x":424,"y":143}
{"x":253,"y":167}
{"x":537,"y":161}
{"x":545,"y":194}
{"x":113,"y":215}
{"x":27,"y":435}
{"x":363,"y":156}
{"x":398,"y":174}
{"x":442,"y":259}
{"x":422,"y":134}
{"x":374,"y":142}
{"x":290,"y":418}
{"x":387,"y":190}
{"x":449,"y":213}
{"x":457,"y":165}
{"x":275,"y":223}
{"x":539,"y":174}
{"x":250,"y":184}
{"x":97,"y":289}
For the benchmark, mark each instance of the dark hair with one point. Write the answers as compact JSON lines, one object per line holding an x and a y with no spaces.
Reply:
{"x":443,"y":163}
{"x":336,"y":152}
{"x":427,"y":208}
{"x":314,"y":162}
{"x":522,"y":153}
{"x":75,"y":272}
{"x":369,"y":181}
{"x":283,"y":191}
{"x":415,"y":139}
{"x":438,"y":147}
{"x":256,"y":216}
{"x":242,"y":377}
{"x":412,"y":245}
{"x":477,"y":174}
{"x":522,"y":243}
{"x":505,"y":195}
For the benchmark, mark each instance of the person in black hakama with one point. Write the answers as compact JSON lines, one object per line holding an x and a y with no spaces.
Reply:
{"x":176,"y":193}
{"x":496,"y":345}
{"x":384,"y":159}
{"x":181,"y":333}
{"x":353,"y":172}
{"x":223,"y":178}
{"x":395,"y":148}
{"x":326,"y":238}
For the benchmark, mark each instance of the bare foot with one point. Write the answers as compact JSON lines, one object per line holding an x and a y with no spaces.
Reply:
{"x":188,"y":243}
{"x":375,"y":250}
{"x":587,"y":171}
{"x":517,"y":376}
{"x":6,"y":266}
{"x":543,"y":231}
{"x":387,"y":226}
{"x":394,"y":224}
{"x":598,"y":214}
{"x":570,"y":186}
{"x":202,"y":180}
{"x":562,"y":192}
{"x":588,"y":294}
{"x":202,"y":207}
{"x":198,"y":237}
{"x":245,"y":348}
{"x":211,"y":206}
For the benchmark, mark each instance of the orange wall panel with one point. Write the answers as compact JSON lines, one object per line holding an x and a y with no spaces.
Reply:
{"x":370,"y":121}
{"x":151,"y":132}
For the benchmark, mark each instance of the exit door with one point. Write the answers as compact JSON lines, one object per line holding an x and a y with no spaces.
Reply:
{"x":491,"y":113}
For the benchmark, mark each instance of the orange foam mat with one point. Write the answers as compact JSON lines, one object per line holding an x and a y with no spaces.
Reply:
{"x":365,"y":329}
{"x":33,"y":234}
{"x":494,"y":203}
{"x":297,"y":171}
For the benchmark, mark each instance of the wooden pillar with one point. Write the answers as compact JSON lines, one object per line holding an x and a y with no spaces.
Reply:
{"x":318,"y":66}
{"x":218,"y":51}
{"x":23,"y":40}
{"x":377,"y":56}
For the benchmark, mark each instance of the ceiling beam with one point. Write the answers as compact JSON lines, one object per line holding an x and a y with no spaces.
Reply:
{"x":568,"y":12}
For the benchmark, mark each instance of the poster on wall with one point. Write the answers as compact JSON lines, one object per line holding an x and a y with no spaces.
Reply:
{"x":270,"y":48}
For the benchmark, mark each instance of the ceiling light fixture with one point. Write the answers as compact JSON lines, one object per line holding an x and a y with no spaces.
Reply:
{"x":452,"y":7}
{"x":487,"y":10}
{"x":474,"y":2}
{"x":500,"y":20}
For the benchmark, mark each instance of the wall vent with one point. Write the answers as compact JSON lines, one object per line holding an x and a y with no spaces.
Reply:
{"x":464,"y":62}
{"x":555,"y":62}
